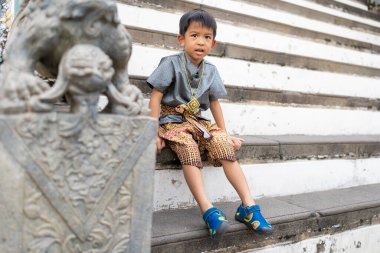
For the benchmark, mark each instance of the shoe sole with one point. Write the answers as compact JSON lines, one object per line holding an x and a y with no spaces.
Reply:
{"x":222,"y":230}
{"x":249,"y":226}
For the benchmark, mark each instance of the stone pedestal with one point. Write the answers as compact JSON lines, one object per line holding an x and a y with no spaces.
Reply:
{"x":73,"y":184}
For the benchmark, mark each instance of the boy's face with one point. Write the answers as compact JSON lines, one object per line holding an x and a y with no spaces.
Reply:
{"x":198,"y":42}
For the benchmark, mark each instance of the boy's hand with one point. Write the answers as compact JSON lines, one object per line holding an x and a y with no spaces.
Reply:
{"x":236,"y":142}
{"x":160,"y":144}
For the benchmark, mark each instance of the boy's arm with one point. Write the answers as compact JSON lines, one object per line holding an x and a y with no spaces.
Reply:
{"x":217,"y":113}
{"x":154,"y":105}
{"x":155,"y":102}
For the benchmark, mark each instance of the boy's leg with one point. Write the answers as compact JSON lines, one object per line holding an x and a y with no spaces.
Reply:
{"x":214,"y":217}
{"x":220,"y":150}
{"x":187,"y":150}
{"x":236,"y":177}
{"x":248,"y":212}
{"x":194,"y":180}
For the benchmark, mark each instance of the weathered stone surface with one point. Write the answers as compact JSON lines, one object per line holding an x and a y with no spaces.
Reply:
{"x":294,"y":218}
{"x":76,"y":189}
{"x":244,"y":94}
{"x":256,"y":55}
{"x":291,"y":147}
{"x":78,"y":182}
{"x":43,"y":39}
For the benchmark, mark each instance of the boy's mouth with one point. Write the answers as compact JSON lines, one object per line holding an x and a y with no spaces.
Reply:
{"x":199,"y":50}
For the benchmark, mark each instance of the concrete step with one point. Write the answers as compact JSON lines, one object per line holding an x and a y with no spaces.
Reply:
{"x":239,"y":12}
{"x":263,"y":46}
{"x":294,"y":218}
{"x":361,"y":63}
{"x":357,"y":4}
{"x":359,"y":240}
{"x":275,"y":119}
{"x":340,"y":9}
{"x":256,"y":119}
{"x":290,"y":147}
{"x":267,"y":119}
{"x":320,"y":163}
{"x":241,"y":94}
{"x":304,"y":23}
{"x":268,"y":76}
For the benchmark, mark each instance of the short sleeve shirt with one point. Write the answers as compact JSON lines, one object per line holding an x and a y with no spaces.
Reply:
{"x":170,"y":78}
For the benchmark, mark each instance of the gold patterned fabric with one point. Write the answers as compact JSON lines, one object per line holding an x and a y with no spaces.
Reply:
{"x":189,"y":142}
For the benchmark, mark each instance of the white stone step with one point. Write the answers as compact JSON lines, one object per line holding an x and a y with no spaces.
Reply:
{"x":360,"y":240}
{"x":335,"y":12}
{"x":291,"y":19}
{"x":266,"y":76}
{"x":357,"y":4}
{"x":229,"y":33}
{"x":255,"y":119}
{"x":268,"y":180}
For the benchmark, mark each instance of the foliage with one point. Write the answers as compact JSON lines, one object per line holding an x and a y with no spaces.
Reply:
{"x":373,"y":4}
{"x":4,"y":25}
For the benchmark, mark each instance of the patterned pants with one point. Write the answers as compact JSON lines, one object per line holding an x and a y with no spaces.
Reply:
{"x":188,"y":143}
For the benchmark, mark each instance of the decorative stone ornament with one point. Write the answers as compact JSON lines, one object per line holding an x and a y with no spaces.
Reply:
{"x":41,"y":36}
{"x":78,"y":182}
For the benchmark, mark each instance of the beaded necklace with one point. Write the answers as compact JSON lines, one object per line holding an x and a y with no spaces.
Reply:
{"x":193,"y":104}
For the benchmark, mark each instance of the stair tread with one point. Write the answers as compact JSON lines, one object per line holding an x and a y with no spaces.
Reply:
{"x":289,"y":147}
{"x":186,"y":224}
{"x":317,"y":138}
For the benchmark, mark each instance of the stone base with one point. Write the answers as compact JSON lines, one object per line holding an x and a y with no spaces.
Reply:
{"x":73,"y":184}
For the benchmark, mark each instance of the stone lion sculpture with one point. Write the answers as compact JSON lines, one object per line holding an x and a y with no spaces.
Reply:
{"x":43,"y":31}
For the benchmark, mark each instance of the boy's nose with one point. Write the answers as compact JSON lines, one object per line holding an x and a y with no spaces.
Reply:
{"x":201,"y":41}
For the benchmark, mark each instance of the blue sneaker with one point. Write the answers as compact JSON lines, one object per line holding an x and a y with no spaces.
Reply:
{"x":257,"y":222}
{"x":216,"y":221}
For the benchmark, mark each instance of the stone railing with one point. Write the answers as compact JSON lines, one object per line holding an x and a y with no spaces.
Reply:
{"x":80,"y":181}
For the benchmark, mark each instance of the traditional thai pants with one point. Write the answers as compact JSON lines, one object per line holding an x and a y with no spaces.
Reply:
{"x":192,"y":137}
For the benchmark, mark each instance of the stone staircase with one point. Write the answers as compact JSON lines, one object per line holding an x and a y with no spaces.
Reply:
{"x":294,"y":217}
{"x":303,"y":83}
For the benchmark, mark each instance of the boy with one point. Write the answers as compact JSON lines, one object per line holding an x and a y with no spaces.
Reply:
{"x":183,"y":86}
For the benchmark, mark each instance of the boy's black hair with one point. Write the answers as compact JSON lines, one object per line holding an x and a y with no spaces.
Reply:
{"x":197,"y":15}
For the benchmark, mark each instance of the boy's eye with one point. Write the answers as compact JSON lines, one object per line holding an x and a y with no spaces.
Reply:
{"x":193,"y":35}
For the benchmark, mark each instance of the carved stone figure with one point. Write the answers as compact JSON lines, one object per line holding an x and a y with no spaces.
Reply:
{"x":77,"y":182}
{"x":42,"y":34}
{"x":85,"y":72}
{"x":76,"y":188}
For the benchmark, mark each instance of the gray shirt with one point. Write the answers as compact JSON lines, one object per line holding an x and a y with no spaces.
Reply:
{"x":169,"y":78}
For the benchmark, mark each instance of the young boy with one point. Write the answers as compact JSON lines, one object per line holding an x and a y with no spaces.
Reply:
{"x":184,"y":85}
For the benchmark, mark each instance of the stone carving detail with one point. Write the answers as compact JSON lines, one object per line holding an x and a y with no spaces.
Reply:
{"x":82,"y":43}
{"x":47,"y":233}
{"x":78,"y":182}
{"x":79,"y":164}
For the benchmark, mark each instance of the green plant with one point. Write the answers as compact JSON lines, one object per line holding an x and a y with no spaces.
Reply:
{"x":373,"y":4}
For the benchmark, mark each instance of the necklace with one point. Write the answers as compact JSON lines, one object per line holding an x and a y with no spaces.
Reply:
{"x":193,"y":104}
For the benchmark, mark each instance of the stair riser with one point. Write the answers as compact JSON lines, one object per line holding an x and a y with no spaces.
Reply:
{"x":272,"y":14}
{"x":271,"y":179}
{"x":241,"y":94}
{"x":357,"y":4}
{"x":324,"y":7}
{"x":266,"y":41}
{"x":365,"y":239}
{"x":252,"y":119}
{"x":267,"y":76}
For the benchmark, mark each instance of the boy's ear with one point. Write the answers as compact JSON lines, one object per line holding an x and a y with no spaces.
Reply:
{"x":213,"y":43}
{"x":181,"y":40}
